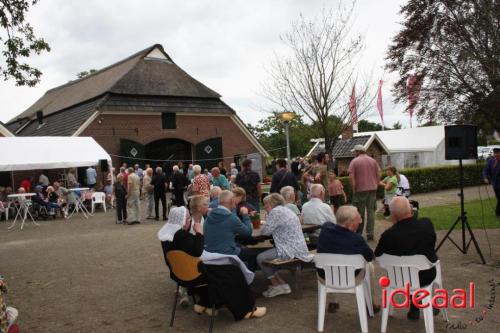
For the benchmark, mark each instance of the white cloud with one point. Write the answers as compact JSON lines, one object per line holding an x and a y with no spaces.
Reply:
{"x":225,"y":44}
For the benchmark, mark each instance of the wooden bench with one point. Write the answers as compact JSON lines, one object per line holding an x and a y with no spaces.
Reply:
{"x":295,"y":266}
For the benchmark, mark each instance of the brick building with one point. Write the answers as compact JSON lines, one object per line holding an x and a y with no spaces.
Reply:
{"x":142,"y":109}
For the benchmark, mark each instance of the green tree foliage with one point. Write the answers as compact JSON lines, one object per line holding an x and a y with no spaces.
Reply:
{"x":85,"y":73}
{"x":454,"y":47}
{"x":368,"y":126}
{"x":19,"y":43}
{"x":397,"y":125}
{"x":270,"y":132}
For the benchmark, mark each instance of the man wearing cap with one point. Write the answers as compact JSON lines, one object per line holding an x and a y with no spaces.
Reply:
{"x":491,"y":174}
{"x":364,"y":176}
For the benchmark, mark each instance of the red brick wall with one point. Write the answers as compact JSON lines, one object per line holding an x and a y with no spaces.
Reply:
{"x":193,"y":129}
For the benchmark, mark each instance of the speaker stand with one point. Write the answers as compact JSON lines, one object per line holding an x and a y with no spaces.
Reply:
{"x":465,"y":224}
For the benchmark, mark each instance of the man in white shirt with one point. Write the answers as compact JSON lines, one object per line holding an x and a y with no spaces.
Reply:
{"x":403,"y":186}
{"x":316,"y":211}
{"x":91,"y":177}
{"x":43,"y":179}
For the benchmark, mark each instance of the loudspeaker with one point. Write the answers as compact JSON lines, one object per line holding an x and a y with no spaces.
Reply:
{"x":104,"y":165}
{"x":460,"y":142}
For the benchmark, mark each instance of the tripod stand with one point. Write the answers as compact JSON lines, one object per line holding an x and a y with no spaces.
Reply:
{"x":465,"y":223}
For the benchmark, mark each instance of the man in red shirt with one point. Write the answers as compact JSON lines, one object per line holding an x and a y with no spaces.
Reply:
{"x":26,"y":184}
{"x":364,"y":175}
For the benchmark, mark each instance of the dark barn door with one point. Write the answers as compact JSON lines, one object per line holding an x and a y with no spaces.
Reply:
{"x":132,"y":153}
{"x":209,"y":153}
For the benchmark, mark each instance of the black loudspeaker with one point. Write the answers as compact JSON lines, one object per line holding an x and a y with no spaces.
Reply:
{"x":104,"y":165}
{"x":460,"y":142}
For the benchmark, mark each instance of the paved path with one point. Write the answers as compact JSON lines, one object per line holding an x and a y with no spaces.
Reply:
{"x":447,"y":197}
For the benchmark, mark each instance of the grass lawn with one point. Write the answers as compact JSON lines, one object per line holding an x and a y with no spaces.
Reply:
{"x":443,"y":216}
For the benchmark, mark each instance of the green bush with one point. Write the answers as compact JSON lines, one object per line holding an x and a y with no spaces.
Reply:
{"x":423,"y":180}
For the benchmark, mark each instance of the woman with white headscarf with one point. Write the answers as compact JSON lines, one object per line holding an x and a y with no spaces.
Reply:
{"x":227,"y":281}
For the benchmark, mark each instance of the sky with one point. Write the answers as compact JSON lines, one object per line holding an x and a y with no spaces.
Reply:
{"x":225,"y":44}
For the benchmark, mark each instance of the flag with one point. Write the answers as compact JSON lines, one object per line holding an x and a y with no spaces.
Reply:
{"x":379,"y":103}
{"x":413,"y":87}
{"x":352,"y":108}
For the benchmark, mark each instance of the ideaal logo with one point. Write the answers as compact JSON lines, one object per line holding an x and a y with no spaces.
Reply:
{"x":459,"y":299}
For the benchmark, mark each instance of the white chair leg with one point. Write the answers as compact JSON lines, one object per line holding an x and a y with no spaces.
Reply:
{"x":321,"y":306}
{"x":385,"y":315}
{"x":368,"y":298}
{"x":104,"y":206}
{"x":360,"y":298}
{"x":428,"y":316}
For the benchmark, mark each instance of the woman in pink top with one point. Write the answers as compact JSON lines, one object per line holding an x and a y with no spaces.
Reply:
{"x":336,"y":191}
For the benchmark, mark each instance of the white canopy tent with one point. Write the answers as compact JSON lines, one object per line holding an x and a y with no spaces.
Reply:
{"x":31,"y":153}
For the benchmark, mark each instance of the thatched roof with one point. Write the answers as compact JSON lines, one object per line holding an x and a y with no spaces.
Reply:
{"x":148,"y":72}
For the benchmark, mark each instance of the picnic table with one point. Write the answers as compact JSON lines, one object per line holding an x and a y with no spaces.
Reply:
{"x":23,"y":211}
{"x":258,"y":237}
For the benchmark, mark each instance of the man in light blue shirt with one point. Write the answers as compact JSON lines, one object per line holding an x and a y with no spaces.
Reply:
{"x":91,"y":177}
{"x":219,"y":180}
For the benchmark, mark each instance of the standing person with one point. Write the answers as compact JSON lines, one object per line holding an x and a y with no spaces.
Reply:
{"x":234,"y":171}
{"x":320,"y":173}
{"x":43,"y":179}
{"x":133,"y":197}
{"x":26,"y":184}
{"x":403,"y":186}
{"x":190,"y":173}
{"x":179,"y":183}
{"x":336,"y":190}
{"x":148,"y":191}
{"x":140,"y":173}
{"x":159,"y":182}
{"x":124,"y":173}
{"x":218,"y":179}
{"x":491,"y":174}
{"x":201,"y":184}
{"x":222,"y":168}
{"x":390,"y":184}
{"x":295,"y":168}
{"x":250,"y":181}
{"x":91,"y":177}
{"x":364,"y":176}
{"x":71,"y":179}
{"x":282,"y":178}
{"x":120,"y":193}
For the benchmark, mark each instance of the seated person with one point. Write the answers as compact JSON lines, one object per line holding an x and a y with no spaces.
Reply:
{"x":39,"y":198}
{"x":288,"y":193}
{"x":8,"y":315}
{"x":214,"y":197}
{"x":198,"y":206}
{"x":341,"y":238}
{"x":409,"y":236}
{"x":316,"y":211}
{"x":240,"y":196}
{"x":52,"y":200}
{"x":222,"y":226}
{"x":228,"y":281}
{"x":284,"y":226}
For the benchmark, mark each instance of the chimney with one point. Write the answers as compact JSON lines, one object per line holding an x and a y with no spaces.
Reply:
{"x":39,"y":117}
{"x":347,"y":133}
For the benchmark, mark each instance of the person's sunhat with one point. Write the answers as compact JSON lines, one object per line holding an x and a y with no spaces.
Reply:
{"x":358,"y":148}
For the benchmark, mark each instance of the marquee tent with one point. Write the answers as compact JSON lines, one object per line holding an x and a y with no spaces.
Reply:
{"x":31,"y":153}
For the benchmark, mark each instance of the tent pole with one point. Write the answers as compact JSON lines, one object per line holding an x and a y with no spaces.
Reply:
{"x":12,"y":181}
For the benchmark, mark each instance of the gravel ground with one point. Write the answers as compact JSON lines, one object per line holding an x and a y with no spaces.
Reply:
{"x":95,"y":276}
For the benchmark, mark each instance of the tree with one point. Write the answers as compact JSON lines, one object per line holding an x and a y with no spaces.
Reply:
{"x":19,"y":43}
{"x":397,"y":125}
{"x":368,"y":126}
{"x":315,"y":79}
{"x":453,"y":47}
{"x":83,"y":74}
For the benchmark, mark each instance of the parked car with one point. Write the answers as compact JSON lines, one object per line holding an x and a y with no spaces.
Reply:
{"x":484,"y":153}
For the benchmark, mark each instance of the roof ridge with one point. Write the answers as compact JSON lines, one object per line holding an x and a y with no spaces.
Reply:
{"x":145,"y":51}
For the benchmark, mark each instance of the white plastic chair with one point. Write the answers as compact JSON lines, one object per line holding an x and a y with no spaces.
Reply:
{"x":99,"y":198}
{"x":340,"y":278}
{"x":403,"y":270}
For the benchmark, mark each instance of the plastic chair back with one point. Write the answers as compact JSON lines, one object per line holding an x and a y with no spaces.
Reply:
{"x":183,"y":266}
{"x":404,"y":269}
{"x":339,"y":269}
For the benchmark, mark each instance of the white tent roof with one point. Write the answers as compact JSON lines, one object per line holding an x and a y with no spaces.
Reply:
{"x":410,"y":139}
{"x":51,"y":152}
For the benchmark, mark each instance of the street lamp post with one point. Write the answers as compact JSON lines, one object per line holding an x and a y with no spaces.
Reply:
{"x":287,"y":117}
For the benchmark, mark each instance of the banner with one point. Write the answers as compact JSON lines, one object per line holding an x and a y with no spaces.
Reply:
{"x":413,"y":87}
{"x":379,"y":103}
{"x":352,"y":108}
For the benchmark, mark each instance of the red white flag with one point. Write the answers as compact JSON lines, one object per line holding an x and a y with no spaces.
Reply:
{"x":379,"y":103}
{"x":352,"y":108}
{"x":413,"y":87}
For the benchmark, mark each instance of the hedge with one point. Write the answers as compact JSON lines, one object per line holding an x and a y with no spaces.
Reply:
{"x":423,"y":180}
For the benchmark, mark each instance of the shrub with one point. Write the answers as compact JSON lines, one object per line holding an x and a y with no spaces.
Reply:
{"x":424,"y":180}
